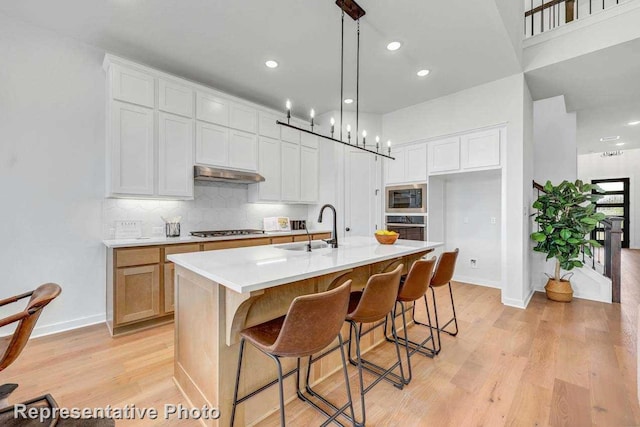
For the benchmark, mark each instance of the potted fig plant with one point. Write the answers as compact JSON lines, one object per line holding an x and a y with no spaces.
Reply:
{"x":566,"y":217}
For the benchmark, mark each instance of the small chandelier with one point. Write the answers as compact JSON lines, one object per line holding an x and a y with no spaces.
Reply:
{"x":351,"y":8}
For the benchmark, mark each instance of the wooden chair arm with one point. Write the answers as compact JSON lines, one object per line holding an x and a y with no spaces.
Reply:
{"x":15,"y":298}
{"x":13,"y":318}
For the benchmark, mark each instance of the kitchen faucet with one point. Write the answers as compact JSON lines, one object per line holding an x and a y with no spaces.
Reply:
{"x":308,"y":237}
{"x":334,"y":240}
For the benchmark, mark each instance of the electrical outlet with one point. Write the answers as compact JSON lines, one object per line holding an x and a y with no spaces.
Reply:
{"x":474,"y":263}
{"x":112,"y":233}
{"x":493,"y":220}
{"x":157,"y":231}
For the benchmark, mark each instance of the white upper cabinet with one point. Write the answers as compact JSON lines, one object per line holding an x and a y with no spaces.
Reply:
{"x":243,"y":150}
{"x":269,"y":166}
{"x":395,"y":169}
{"x":471,"y":151}
{"x":290,"y":155}
{"x":175,"y":98}
{"x":130,"y":85}
{"x":444,"y":155}
{"x":481,"y":149}
{"x":212,"y":109}
{"x":309,"y":184}
{"x":267,"y":125}
{"x":175,"y":155}
{"x":132,"y":150}
{"x":410,"y":164}
{"x":243,"y":117}
{"x":212,"y":144}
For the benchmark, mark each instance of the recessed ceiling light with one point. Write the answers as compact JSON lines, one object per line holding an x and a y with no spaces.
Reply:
{"x":620,"y":144}
{"x":394,"y":46}
{"x":271,"y":64}
{"x":636,"y":122}
{"x":348,"y":101}
{"x":609,"y":138}
{"x":423,"y":73}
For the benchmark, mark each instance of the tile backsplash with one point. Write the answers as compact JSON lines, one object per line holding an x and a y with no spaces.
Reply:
{"x":216,"y":206}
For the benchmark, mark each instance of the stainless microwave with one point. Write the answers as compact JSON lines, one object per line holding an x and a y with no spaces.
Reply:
{"x":410,"y":198}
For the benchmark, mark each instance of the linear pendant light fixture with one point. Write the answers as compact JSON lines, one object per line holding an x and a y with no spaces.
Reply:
{"x":351,"y":8}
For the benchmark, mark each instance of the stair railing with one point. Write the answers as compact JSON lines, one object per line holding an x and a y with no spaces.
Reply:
{"x":544,"y":16}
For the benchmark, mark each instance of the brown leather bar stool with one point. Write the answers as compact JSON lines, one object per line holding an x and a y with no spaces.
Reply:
{"x":371,"y":305}
{"x":11,"y":346}
{"x":412,"y":288}
{"x":311,"y":324}
{"x":444,"y":273}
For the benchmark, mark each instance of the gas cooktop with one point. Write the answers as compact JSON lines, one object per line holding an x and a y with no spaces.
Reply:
{"x":223,"y":233}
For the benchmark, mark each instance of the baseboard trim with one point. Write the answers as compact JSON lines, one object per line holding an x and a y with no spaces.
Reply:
{"x":517,"y":303}
{"x":486,"y":283}
{"x":54,"y":328}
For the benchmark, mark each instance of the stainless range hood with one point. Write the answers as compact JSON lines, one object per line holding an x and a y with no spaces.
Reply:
{"x":206,"y":173}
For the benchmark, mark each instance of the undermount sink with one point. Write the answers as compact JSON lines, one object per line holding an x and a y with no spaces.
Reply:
{"x":303,"y":246}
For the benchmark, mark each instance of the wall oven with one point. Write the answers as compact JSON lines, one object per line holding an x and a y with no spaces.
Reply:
{"x":410,"y":227}
{"x":406,"y":199}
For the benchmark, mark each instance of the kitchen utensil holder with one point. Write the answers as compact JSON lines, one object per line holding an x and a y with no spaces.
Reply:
{"x":172,"y":229}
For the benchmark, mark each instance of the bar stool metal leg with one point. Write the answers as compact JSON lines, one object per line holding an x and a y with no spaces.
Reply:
{"x":307,"y":387}
{"x":235,"y":392}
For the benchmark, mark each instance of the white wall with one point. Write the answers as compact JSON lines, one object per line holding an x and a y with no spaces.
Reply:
{"x":554,"y":135}
{"x":593,"y":166}
{"x":52,"y":117}
{"x":501,"y":101}
{"x":471,"y":200}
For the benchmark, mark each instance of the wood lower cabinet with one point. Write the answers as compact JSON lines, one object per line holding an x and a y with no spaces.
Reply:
{"x":140,"y":280}
{"x":137,"y":293}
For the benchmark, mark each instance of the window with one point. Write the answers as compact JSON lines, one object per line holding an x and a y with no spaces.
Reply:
{"x":615,"y":202}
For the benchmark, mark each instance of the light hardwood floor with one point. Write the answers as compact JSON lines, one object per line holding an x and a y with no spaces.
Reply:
{"x":552,"y":364}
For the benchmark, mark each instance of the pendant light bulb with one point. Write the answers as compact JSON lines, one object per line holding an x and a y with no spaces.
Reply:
{"x":288,"y":105}
{"x":333,"y":121}
{"x":377,"y":139}
{"x":313,"y":113}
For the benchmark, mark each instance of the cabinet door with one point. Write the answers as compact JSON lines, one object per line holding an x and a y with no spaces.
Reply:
{"x":175,"y":98}
{"x":290,"y":171}
{"x":137,"y":293}
{"x":212,"y":144}
{"x":290,"y":135}
{"x":212,"y":109}
{"x":270,"y":168}
{"x":267,"y":125}
{"x":132,"y":145}
{"x":169,"y":286}
{"x":132,"y":86}
{"x":308,"y":174}
{"x":481,"y":149}
{"x":444,"y":155}
{"x":175,"y":156}
{"x":243,"y":150}
{"x":243,"y":117}
{"x":395,"y":169}
{"x":308,"y":140}
{"x":416,"y":163}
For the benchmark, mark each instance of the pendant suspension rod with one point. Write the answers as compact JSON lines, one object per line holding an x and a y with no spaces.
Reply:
{"x":358,"y":84}
{"x":341,"y":71}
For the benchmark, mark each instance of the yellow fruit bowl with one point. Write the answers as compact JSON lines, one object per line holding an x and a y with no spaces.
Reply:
{"x":388,"y":238}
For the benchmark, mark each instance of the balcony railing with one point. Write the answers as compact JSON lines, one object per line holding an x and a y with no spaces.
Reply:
{"x":542,"y":16}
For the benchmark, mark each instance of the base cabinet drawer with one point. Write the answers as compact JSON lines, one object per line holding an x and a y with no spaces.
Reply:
{"x":137,"y":293}
{"x":240,"y":243}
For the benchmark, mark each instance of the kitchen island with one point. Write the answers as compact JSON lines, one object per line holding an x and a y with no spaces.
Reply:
{"x":219,"y":293}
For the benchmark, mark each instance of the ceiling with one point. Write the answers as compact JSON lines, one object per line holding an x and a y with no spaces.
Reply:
{"x":225,"y":43}
{"x":603,"y":88}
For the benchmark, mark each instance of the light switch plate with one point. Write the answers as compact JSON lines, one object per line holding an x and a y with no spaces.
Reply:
{"x":128,"y":229}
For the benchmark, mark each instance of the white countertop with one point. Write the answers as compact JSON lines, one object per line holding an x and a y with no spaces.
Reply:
{"x":260,"y":267}
{"x":161,"y":240}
